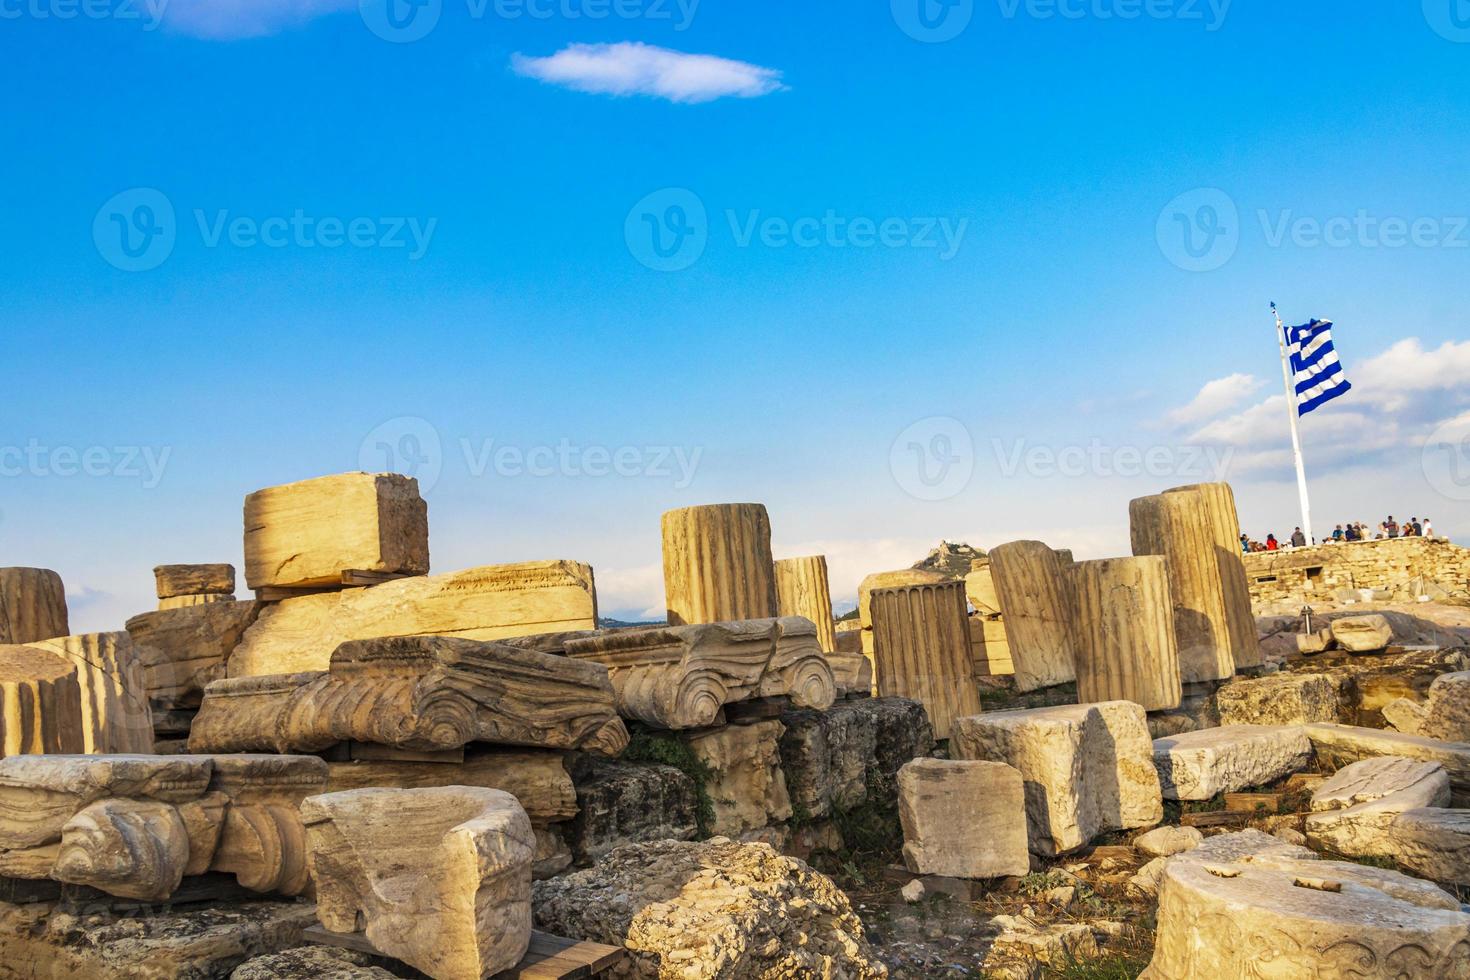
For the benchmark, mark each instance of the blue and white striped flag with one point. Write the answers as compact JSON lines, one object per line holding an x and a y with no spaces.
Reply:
{"x":1316,"y":371}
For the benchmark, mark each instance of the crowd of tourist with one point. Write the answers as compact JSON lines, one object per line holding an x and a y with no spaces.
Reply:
{"x":1352,"y":531}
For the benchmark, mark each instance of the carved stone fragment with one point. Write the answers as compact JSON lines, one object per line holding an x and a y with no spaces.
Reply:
{"x":424,"y":693}
{"x":438,"y":878}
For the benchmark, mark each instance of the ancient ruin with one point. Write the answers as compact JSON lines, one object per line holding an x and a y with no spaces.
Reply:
{"x":1011,"y":764}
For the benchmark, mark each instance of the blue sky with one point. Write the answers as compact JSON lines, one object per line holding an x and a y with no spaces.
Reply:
{"x":991,"y":269}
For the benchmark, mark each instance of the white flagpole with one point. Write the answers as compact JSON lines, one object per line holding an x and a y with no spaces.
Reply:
{"x":1296,"y":435}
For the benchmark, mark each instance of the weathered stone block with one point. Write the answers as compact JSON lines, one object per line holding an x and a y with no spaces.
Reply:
{"x":183,"y":650}
{"x":49,"y":941}
{"x":802,"y":589}
{"x":1354,"y":810}
{"x":1038,"y":611}
{"x":630,"y":803}
{"x":174,"y":581}
{"x":491,"y":603}
{"x":1279,"y":699}
{"x":1339,"y":745}
{"x":747,"y":785}
{"x":839,"y":759}
{"x":1433,"y":842}
{"x":539,"y":781}
{"x":1362,"y":634}
{"x":963,"y":819}
{"x":438,"y":878}
{"x":1447,"y":715}
{"x":307,"y":534}
{"x":711,"y":911}
{"x":1088,"y":769}
{"x":1200,"y":765}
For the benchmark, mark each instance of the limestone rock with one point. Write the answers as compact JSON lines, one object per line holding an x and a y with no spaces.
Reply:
{"x":1022,"y":944}
{"x":837,"y":760}
{"x":1168,"y":841}
{"x":748,"y":787}
{"x":623,"y":803}
{"x":1448,"y":713}
{"x":1126,"y":648}
{"x":717,"y":564}
{"x":963,"y":819}
{"x":913,"y":891}
{"x":1296,"y":917}
{"x":424,"y":693}
{"x":1405,"y":716}
{"x":308,"y":533}
{"x":1433,"y":842}
{"x":852,"y":673}
{"x":1039,"y":612}
{"x":183,"y":650}
{"x":1362,"y":634}
{"x":48,"y":941}
{"x":129,"y":848}
{"x":1319,"y":641}
{"x":1278,"y":699}
{"x":802,"y":589}
{"x":311,"y":963}
{"x":490,"y":603}
{"x":1200,"y":765}
{"x":439,"y":878}
{"x":1425,"y":783}
{"x":1088,"y":769}
{"x":716,"y":910}
{"x":40,"y":703}
{"x":32,"y":605}
{"x":194,"y":580}
{"x":538,"y":780}
{"x":680,"y":677}
{"x":116,"y":718}
{"x":921,"y":650}
{"x":1339,"y":745}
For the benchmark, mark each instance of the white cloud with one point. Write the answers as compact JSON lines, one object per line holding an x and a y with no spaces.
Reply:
{"x":1215,"y":397}
{"x":631,"y":592}
{"x":229,"y":20}
{"x":633,"y":68}
{"x":1398,"y":397}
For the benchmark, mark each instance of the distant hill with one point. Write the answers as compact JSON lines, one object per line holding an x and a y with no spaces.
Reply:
{"x":950,"y":559}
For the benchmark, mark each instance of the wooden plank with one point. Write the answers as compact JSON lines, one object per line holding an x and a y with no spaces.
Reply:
{"x":548,"y":957}
{"x":1218,"y":818}
{"x":1269,"y":803}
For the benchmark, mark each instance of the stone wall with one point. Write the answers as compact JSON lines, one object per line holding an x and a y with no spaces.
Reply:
{"x":1398,"y":570}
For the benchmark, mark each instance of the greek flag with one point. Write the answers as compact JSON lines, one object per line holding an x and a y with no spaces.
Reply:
{"x":1314,"y":366}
